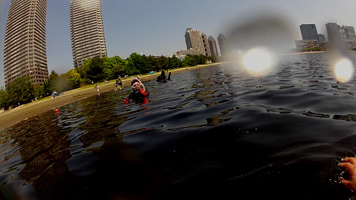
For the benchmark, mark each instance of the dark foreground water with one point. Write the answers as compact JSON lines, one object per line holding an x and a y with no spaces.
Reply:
{"x":212,"y":133}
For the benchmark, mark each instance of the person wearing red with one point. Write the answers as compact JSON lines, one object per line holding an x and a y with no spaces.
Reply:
{"x":139,"y":94}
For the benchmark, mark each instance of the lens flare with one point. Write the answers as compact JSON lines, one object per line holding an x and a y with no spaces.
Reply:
{"x":344,"y":70}
{"x":257,"y":60}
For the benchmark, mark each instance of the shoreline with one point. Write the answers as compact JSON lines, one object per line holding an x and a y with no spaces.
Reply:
{"x":16,"y":115}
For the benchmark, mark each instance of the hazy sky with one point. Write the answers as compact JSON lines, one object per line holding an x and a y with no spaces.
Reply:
{"x":157,"y":27}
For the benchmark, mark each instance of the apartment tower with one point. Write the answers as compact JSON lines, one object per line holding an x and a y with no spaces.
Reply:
{"x":206,"y":44}
{"x":25,"y":41}
{"x":348,"y":33}
{"x":309,"y":32}
{"x":333,"y":31}
{"x":213,"y":47}
{"x":87,"y":31}
{"x":222,"y":44}
{"x":195,"y":41}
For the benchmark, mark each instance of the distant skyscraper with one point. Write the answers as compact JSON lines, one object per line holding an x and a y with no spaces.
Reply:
{"x":206,"y":44}
{"x":333,"y":31}
{"x":25,"y":41}
{"x":309,"y":32}
{"x":86,"y":30}
{"x":222,"y":44}
{"x":213,"y":47}
{"x":348,"y":33}
{"x":194,"y":41}
{"x":321,"y":38}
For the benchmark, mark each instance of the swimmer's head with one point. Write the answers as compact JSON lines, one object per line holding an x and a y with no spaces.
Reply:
{"x":136,"y":84}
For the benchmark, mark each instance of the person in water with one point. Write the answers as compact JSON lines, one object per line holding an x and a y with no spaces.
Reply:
{"x":162,"y":77}
{"x":139,"y":94}
{"x":119,"y":84}
{"x":349,"y":165}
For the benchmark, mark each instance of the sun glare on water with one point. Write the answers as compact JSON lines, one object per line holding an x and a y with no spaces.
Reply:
{"x":344,"y":70}
{"x":257,"y":61}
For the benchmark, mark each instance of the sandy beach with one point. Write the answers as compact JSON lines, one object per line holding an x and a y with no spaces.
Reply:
{"x":11,"y":117}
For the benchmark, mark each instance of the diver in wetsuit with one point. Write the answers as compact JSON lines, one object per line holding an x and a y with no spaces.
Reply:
{"x":162,"y":78}
{"x":139,"y":94}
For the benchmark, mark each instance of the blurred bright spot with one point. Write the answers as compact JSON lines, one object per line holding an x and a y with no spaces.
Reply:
{"x":344,"y":70}
{"x":257,"y":60}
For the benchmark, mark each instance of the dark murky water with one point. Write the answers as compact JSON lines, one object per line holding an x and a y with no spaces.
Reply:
{"x":212,"y":133}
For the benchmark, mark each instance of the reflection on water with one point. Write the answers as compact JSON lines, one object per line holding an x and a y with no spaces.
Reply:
{"x":210,"y":133}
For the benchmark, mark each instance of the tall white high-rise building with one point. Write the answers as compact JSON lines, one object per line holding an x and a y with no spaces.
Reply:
{"x":87,"y":30}
{"x":25,"y":41}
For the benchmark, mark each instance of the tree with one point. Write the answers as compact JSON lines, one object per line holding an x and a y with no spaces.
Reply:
{"x":189,"y":61}
{"x":137,"y":63}
{"x":174,"y":62}
{"x":45,"y":89}
{"x":49,"y":86}
{"x":82,"y":72}
{"x":162,"y":63}
{"x":73,"y":78}
{"x":52,"y":79}
{"x":20,"y":91}
{"x":214,"y":58}
{"x":86,"y":64}
{"x":37,"y":90}
{"x":95,"y":69}
{"x":118,"y":70}
{"x":83,"y":76}
{"x":152,"y":63}
{"x":145,"y":68}
{"x":62,"y":83}
{"x":130,"y":68}
{"x":108,"y":68}
{"x":118,"y":66}
{"x":200,"y":59}
{"x":4,"y":99}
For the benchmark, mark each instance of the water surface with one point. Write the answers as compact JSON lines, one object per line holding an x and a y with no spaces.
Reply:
{"x":209,"y":133}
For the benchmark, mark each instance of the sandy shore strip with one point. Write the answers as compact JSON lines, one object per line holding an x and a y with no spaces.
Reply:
{"x":11,"y":117}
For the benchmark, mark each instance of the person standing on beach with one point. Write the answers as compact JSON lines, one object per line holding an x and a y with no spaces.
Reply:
{"x":97,"y":88}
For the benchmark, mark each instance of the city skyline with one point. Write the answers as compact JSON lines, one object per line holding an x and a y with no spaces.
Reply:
{"x":158,"y":27}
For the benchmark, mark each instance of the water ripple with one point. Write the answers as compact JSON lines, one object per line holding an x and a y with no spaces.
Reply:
{"x":214,"y":129}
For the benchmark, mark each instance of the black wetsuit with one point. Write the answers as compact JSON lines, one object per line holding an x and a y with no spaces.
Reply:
{"x":139,"y":97}
{"x":162,"y":77}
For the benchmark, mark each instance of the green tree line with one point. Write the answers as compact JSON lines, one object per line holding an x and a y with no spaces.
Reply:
{"x":96,"y":69}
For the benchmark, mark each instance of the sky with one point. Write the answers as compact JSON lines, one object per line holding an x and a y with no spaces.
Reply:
{"x":157,"y":27}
